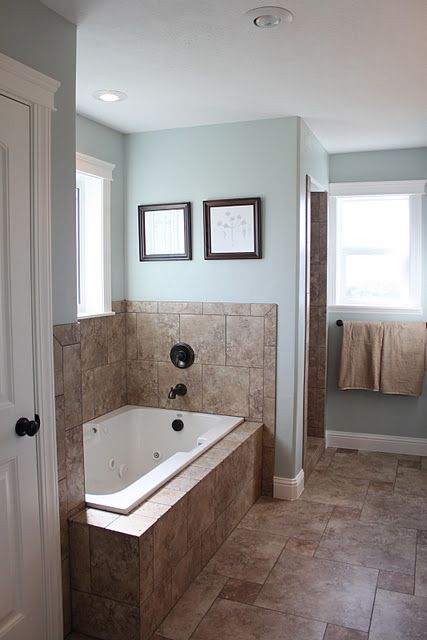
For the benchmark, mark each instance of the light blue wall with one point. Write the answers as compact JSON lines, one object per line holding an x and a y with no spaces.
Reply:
{"x":36,"y":36}
{"x":104,"y":143}
{"x":231,"y":160}
{"x":364,"y":411}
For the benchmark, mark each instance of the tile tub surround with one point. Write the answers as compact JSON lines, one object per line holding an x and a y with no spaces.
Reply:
{"x":127,"y":572}
{"x":234,"y":372}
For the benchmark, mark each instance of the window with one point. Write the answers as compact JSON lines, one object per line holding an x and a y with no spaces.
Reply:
{"x":375,"y":245}
{"x":93,"y":204}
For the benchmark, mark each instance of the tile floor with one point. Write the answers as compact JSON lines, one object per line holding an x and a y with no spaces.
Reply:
{"x":348,"y":561}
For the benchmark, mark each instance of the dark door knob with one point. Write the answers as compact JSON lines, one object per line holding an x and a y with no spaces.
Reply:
{"x":25,"y":427}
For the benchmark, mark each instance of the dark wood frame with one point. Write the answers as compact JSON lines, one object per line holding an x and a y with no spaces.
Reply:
{"x":256,"y":203}
{"x":142,"y":208}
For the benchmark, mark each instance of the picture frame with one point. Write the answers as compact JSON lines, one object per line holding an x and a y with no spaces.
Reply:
{"x":164,"y":231}
{"x":232,"y":229}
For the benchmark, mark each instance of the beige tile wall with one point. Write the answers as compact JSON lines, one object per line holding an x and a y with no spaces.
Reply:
{"x":318,"y":317}
{"x":234,"y":370}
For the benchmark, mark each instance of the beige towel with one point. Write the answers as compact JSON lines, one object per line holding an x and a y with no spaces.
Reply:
{"x":361,"y":355}
{"x":403,"y":358}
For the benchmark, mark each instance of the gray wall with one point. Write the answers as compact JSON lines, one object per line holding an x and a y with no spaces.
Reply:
{"x":107,"y":144}
{"x":36,"y":36}
{"x":231,"y":160}
{"x":360,"y":411}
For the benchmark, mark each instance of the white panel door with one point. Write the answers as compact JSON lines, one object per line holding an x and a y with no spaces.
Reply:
{"x":21,"y":597}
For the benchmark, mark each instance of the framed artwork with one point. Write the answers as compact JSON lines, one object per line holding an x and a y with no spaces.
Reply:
{"x":232,"y":229}
{"x":164,"y":231}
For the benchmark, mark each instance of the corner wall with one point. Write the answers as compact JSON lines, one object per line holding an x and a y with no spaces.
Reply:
{"x":362,"y":411}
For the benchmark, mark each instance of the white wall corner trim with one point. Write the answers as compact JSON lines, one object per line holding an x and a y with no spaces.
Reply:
{"x":37,"y":91}
{"x":375,"y":442}
{"x":288,"y":488}
{"x":399,"y":187}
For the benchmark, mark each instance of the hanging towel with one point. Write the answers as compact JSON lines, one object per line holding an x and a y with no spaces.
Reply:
{"x":403,"y":358}
{"x":361,"y":355}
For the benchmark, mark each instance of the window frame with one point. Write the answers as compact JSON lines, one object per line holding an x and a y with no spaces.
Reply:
{"x":415,"y":189}
{"x":97,"y":168}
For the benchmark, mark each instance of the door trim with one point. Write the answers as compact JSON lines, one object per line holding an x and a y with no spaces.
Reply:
{"x":19,"y":82}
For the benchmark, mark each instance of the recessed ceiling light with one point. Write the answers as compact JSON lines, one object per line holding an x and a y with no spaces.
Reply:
{"x":109,"y":95}
{"x":268,"y":17}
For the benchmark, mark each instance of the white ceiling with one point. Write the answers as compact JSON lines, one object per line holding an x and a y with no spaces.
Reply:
{"x":355,"y":70}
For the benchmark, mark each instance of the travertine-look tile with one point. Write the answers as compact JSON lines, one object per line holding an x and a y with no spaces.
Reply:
{"x":378,"y":546}
{"x":151,"y":510}
{"x":326,"y":459}
{"x":75,"y":467}
{"x":168,"y":496}
{"x":88,"y":395}
{"x":256,"y":393}
{"x":169,"y":376}
{"x":156,"y":335}
{"x":341,"y":633}
{"x":334,"y":592}
{"x":270,"y":372}
{"x":180,"y":307}
{"x":267,"y":470}
{"x":141,"y":306}
{"x":109,"y":387}
{"x":67,"y":333}
{"x":288,"y":519}
{"x":413,"y":481}
{"x":261,"y":308}
{"x":63,"y":509}
{"x":226,"y":308}
{"x":114,"y":565}
{"x":79,"y":556}
{"x":329,"y":488}
{"x":402,"y":510}
{"x":214,"y":536}
{"x":94,"y":342}
{"x":155,"y":607}
{"x":72,"y":385}
{"x":247,"y":555}
{"x":95,"y":517}
{"x":116,"y":337}
{"x":269,"y":421}
{"x":60,"y":436}
{"x":245,"y":341}
{"x":235,"y":621}
{"x":206,"y":334}
{"x":194,"y":604}
{"x":421,"y":572}
{"x":105,"y":618}
{"x":132,"y":525}
{"x":142,"y":383}
{"x":367,"y":465}
{"x":119,"y":306}
{"x":396,"y":582}
{"x":66,"y":596}
{"x":240,"y":591}
{"x":131,"y":342}
{"x":226,"y":390}
{"x":398,"y":617}
{"x":201,"y":507}
{"x":57,"y":361}
{"x":170,"y":540}
{"x":187,"y":569}
{"x":270,"y":328}
{"x":304,"y":547}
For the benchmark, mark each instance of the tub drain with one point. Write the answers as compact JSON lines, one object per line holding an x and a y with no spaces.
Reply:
{"x":157,"y":455}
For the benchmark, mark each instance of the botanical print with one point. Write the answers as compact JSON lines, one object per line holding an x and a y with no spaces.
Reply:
{"x":232,"y":229}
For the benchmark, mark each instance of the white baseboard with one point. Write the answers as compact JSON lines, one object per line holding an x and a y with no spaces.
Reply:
{"x":288,"y":488}
{"x":374,"y":442}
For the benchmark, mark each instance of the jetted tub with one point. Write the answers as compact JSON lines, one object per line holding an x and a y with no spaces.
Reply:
{"x":131,"y":452}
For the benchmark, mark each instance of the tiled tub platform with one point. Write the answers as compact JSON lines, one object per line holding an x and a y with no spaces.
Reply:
{"x":127,"y":572}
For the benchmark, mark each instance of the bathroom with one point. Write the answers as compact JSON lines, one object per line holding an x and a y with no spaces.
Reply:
{"x":202,"y":474}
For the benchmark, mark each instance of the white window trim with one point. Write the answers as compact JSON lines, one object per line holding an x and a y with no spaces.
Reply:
{"x":101,"y":169}
{"x":414,"y":188}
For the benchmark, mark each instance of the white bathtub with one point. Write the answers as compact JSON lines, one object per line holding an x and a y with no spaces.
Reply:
{"x":131,"y":452}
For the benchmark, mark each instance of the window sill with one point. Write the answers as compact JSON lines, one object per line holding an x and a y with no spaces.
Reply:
{"x":410,"y":311}
{"x":87,"y":316}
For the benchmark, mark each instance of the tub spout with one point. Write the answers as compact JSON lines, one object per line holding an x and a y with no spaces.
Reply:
{"x":177,"y":390}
